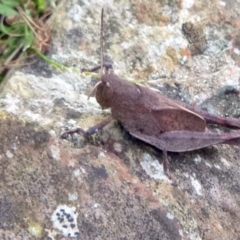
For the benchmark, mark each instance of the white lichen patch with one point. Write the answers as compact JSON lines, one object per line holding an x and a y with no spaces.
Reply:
{"x":197,"y":186}
{"x":11,"y":103}
{"x":222,"y":3}
{"x":72,"y":196}
{"x":197,"y":159}
{"x":9,"y":154}
{"x":217,"y":166}
{"x":55,"y":151}
{"x":77,"y":173}
{"x":64,"y":219}
{"x":101,"y":155}
{"x":71,"y":122}
{"x":117,"y":147}
{"x":170,"y":216}
{"x":208,"y":164}
{"x":51,"y":233}
{"x":187,"y":3}
{"x":96,"y":205}
{"x":225,"y":162}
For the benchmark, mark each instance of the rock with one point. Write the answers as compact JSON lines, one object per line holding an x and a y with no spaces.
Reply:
{"x":110,"y":182}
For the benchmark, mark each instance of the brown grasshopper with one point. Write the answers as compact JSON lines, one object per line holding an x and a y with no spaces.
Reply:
{"x":155,"y":119}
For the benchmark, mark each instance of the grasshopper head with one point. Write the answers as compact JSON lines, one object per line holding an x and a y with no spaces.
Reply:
{"x":104,"y":92}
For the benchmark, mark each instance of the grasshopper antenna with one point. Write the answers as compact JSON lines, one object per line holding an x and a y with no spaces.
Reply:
{"x":106,"y":65}
{"x":101,"y":50}
{"x":101,"y":41}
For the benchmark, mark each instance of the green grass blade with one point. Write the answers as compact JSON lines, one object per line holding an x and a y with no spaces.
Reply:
{"x":6,"y":10}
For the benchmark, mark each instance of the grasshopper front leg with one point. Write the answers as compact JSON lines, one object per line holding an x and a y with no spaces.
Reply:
{"x":88,"y":132}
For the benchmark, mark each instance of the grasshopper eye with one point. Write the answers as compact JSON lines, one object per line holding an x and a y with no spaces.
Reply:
{"x":107,"y":90}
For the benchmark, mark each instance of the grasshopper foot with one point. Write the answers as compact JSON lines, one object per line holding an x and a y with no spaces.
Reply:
{"x":65,"y":134}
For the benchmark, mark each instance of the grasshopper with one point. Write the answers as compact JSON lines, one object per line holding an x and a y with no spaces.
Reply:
{"x":147,"y":115}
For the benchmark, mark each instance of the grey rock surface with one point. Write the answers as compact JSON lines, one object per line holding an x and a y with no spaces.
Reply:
{"x":110,"y":185}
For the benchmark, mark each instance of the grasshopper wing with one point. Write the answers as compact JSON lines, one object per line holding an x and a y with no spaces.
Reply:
{"x":169,"y":115}
{"x":178,"y":119}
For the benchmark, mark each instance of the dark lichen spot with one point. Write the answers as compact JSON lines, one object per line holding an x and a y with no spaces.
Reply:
{"x":75,"y":36}
{"x":73,"y":114}
{"x":73,"y":225}
{"x":225,"y":102}
{"x":38,"y":68}
{"x":8,"y":213}
{"x":168,"y":225}
{"x":41,"y":138}
{"x":99,"y":173}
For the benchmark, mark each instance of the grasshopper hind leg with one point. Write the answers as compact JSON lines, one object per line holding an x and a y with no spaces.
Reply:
{"x":166,"y":169}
